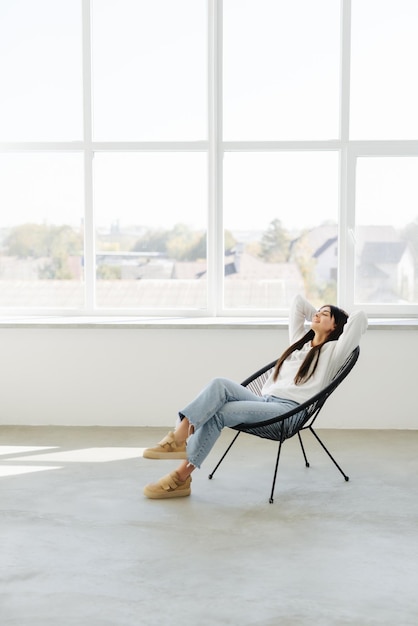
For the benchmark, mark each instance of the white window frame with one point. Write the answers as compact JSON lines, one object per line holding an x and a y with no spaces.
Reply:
{"x":215,"y":148}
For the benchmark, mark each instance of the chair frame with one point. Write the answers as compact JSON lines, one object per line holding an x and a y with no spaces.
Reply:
{"x":298,"y":419}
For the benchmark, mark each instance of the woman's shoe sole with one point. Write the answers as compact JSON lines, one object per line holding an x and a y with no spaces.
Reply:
{"x":153,"y":454}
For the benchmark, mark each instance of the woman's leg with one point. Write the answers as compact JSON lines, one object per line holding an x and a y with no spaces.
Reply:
{"x":207,"y":429}
{"x":212,"y":398}
{"x":217,"y":393}
{"x":184,"y":470}
{"x":183,"y":430}
{"x":230,"y":414}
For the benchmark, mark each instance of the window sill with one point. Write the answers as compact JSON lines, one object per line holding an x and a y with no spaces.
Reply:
{"x":233,"y":323}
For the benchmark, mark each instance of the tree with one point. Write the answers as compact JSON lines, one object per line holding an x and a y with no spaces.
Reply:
{"x":199,"y":250}
{"x":26,"y":241}
{"x":55,"y":269}
{"x":55,"y":243}
{"x":152,"y":241}
{"x":180,"y":243}
{"x":301,"y":254}
{"x":410,"y":234}
{"x":40,"y":240}
{"x":275,"y":243}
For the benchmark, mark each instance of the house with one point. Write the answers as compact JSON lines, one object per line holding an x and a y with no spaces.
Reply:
{"x":385,"y":265}
{"x":385,"y":272}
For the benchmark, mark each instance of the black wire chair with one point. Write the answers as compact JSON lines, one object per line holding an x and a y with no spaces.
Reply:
{"x":293,"y":422}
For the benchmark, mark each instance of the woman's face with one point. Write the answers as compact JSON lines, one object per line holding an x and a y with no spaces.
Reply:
{"x":323,"y":322}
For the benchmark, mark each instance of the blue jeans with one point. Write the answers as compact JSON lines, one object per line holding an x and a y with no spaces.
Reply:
{"x":225,"y":403}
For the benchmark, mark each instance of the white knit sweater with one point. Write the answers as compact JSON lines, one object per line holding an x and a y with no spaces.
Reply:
{"x":332,"y":356}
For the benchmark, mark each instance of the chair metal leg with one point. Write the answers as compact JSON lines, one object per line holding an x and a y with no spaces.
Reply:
{"x":329,"y":454}
{"x":224,"y":455}
{"x":303,"y":450}
{"x":275,"y":473}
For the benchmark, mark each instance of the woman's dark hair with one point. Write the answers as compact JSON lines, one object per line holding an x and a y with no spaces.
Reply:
{"x":310,"y":362}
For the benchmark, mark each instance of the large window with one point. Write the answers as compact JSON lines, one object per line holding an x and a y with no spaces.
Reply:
{"x":208,"y":157}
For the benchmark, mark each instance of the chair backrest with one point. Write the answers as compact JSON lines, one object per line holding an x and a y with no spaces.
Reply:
{"x":302,"y":416}
{"x":342,"y":373}
{"x":256,"y":381}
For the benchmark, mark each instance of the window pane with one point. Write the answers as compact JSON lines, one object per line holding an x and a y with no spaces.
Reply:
{"x":281,"y":69}
{"x":151,"y":213}
{"x":41,"y":230}
{"x":387,"y":230}
{"x":384,"y":66}
{"x":41,"y":72}
{"x":281,"y":213}
{"x":149,"y":70}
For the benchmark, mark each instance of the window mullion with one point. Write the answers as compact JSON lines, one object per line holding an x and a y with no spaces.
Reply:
{"x":89,"y":236}
{"x":215,"y":221}
{"x":346,"y":172}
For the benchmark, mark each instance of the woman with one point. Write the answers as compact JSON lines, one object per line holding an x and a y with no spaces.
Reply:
{"x":305,"y":368}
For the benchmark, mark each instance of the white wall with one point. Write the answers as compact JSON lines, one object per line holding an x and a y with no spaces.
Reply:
{"x":142,"y":376}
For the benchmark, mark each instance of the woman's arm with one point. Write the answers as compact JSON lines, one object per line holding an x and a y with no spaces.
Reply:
{"x":355,"y":327}
{"x":301,"y":311}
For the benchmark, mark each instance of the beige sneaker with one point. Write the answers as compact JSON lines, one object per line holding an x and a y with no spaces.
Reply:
{"x":166,"y":449}
{"x":169,"y":486}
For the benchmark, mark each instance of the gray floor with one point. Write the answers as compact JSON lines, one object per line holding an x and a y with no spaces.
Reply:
{"x":81,"y":546}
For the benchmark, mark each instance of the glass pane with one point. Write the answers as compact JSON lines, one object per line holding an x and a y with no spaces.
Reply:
{"x":387,"y":230}
{"x":41,"y":72}
{"x":149,"y":70}
{"x":281,"y":213}
{"x":41,"y":231}
{"x":281,"y":69}
{"x":151,"y":213}
{"x":384,"y":66}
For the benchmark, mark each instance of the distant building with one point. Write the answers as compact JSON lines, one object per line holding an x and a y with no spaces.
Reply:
{"x":385,"y":264}
{"x":326,"y":257}
{"x":386,"y":272}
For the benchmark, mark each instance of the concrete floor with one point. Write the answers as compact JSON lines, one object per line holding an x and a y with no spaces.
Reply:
{"x":81,"y":546}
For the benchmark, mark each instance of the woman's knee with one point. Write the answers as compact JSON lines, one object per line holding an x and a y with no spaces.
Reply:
{"x":220,"y":383}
